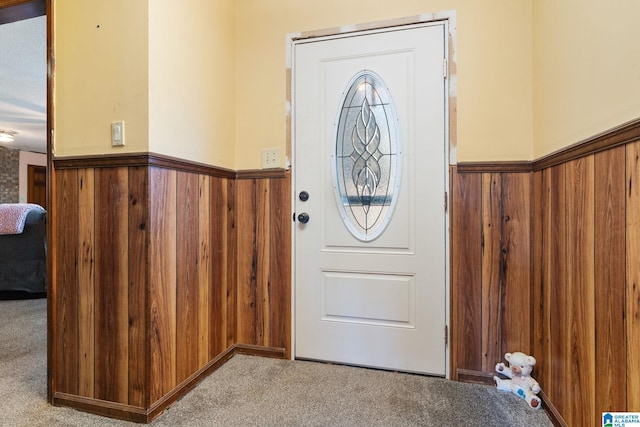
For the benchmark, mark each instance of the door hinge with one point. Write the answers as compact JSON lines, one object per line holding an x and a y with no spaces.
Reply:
{"x":446,"y":202}
{"x":446,"y":335}
{"x":445,"y":68}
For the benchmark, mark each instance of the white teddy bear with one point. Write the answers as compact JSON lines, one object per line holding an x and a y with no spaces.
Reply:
{"x":520,"y":383}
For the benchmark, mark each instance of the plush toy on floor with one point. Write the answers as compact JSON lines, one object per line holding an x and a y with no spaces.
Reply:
{"x":520,"y":383}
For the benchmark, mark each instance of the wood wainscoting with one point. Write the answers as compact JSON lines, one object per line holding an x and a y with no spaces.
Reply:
{"x":263,"y":274}
{"x":491,"y":256}
{"x":545,"y":261}
{"x":162,"y":267}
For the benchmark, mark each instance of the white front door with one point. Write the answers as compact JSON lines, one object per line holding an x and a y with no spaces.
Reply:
{"x":370,"y":152}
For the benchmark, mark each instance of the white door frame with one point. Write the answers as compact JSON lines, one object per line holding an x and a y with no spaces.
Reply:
{"x":449,"y":20}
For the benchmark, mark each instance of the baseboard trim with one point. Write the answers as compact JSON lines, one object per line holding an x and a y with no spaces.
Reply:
{"x":474,"y":377}
{"x":142,"y":415}
{"x":552,"y":411}
{"x":484,"y":378}
{"x":257,"y":350}
{"x":188,"y":384}
{"x":101,"y":407}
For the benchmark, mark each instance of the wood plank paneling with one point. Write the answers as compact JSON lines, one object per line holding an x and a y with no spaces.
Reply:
{"x":555,"y":275}
{"x":540,"y":331}
{"x":492,"y":271}
{"x":280,"y":265}
{"x":147,"y":293}
{"x":204,"y":269}
{"x":576,"y":217}
{"x":162,"y":281}
{"x":583,"y":215}
{"x":466,"y":290}
{"x":491,"y":267}
{"x":86,"y":282}
{"x":580,"y":366}
{"x":575,"y":241}
{"x":219,"y":272}
{"x":263,"y":263}
{"x":138,"y":287}
{"x":111,"y":285}
{"x":609,"y":281}
{"x":516,"y":263}
{"x":262,"y":239}
{"x":66,"y":296}
{"x":247,"y":263}
{"x":231,"y":318}
{"x":632,"y":293}
{"x":187,"y":239}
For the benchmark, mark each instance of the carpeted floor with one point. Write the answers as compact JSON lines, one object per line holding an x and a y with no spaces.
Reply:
{"x":254,"y":391}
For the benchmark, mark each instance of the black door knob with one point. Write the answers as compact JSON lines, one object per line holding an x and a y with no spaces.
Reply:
{"x":303,"y":217}
{"x":304,"y":196}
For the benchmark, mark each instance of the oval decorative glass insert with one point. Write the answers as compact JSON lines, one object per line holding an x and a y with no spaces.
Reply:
{"x":367,"y":159}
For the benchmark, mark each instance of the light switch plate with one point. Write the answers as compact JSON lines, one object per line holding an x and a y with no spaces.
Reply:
{"x":117,"y":134}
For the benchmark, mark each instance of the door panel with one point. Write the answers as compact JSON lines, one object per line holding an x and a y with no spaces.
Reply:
{"x":387,"y":298}
{"x":378,"y":302}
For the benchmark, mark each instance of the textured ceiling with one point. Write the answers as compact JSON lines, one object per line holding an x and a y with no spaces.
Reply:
{"x":23,"y":83}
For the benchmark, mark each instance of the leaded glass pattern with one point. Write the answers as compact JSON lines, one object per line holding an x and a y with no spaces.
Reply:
{"x":367,"y":156}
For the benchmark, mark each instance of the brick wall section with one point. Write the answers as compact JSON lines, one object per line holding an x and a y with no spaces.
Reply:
{"x":9,"y":172}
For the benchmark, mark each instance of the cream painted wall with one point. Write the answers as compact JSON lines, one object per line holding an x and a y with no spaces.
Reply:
{"x":207,"y":82}
{"x":191,"y":80}
{"x":212,"y":88}
{"x":587,"y":69}
{"x":101,"y":75}
{"x":165,"y":69}
{"x":494,"y":49}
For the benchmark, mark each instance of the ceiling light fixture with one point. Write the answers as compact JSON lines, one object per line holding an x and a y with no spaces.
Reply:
{"x":6,"y":136}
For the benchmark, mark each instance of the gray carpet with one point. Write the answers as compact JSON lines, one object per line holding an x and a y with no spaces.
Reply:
{"x":254,"y":391}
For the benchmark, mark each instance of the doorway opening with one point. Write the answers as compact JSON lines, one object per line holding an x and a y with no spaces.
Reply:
{"x":15,"y":11}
